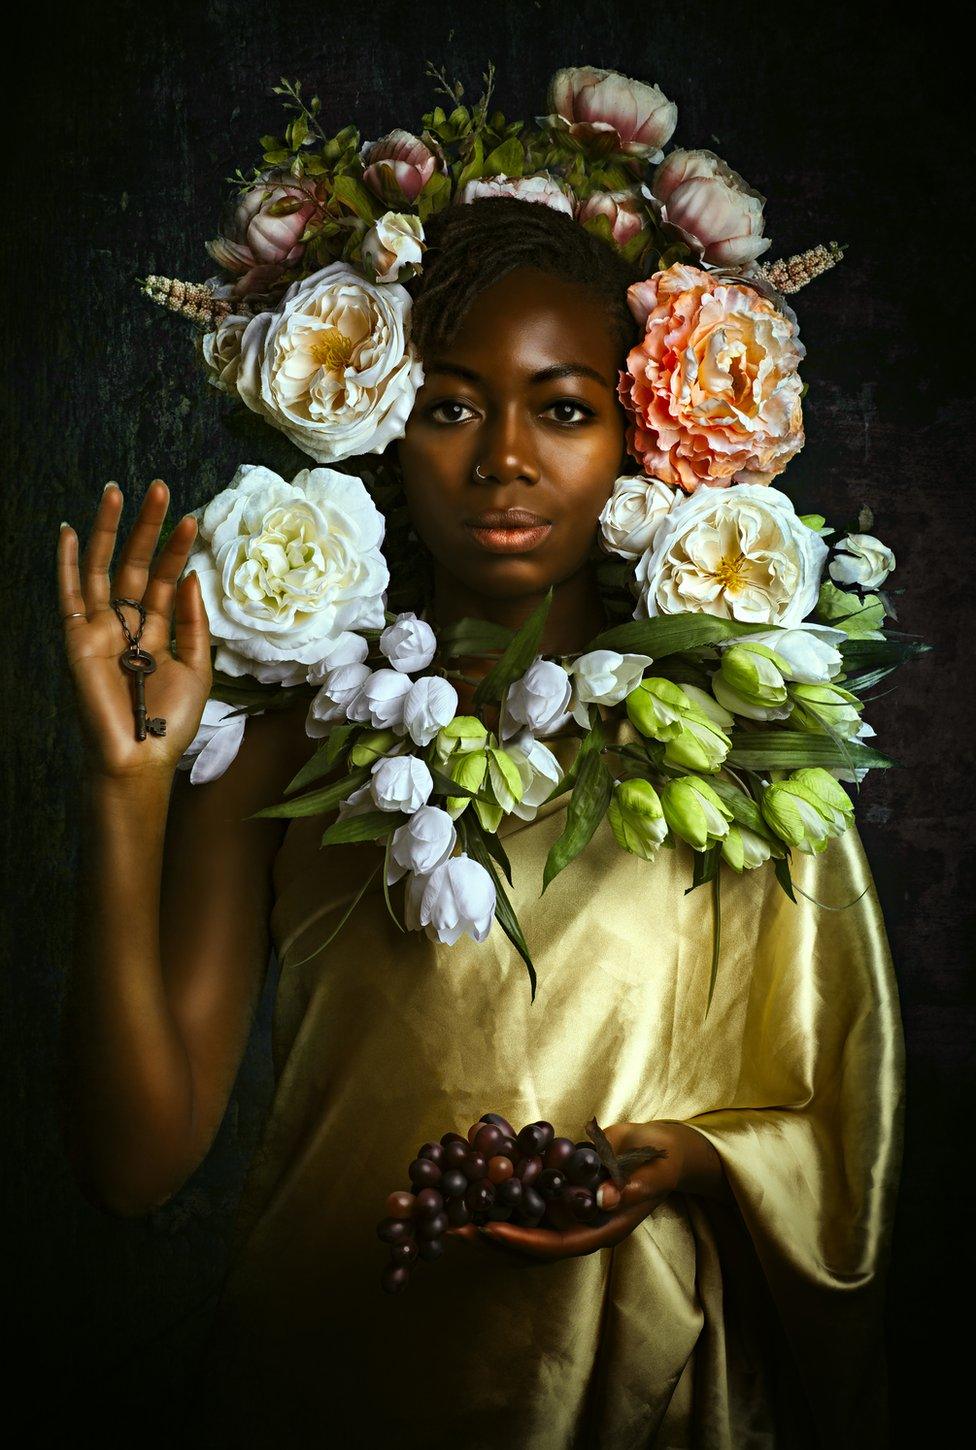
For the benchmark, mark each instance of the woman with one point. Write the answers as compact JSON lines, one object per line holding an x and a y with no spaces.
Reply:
{"x":733,"y":1299}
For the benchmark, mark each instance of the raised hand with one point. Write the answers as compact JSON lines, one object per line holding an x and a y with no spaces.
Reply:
{"x":94,"y":641}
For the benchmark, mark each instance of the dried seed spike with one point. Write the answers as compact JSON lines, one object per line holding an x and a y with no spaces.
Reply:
{"x":192,"y":300}
{"x":608,"y":1157}
{"x":789,"y":274}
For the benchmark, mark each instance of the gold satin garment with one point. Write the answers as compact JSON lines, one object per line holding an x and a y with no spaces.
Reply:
{"x":710,"y":1326}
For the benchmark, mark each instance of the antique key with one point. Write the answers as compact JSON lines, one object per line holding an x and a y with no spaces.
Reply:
{"x":140,"y":663}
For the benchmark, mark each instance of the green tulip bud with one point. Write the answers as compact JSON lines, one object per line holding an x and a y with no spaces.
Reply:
{"x":505,"y":779}
{"x":699,"y":745}
{"x":755,"y":672}
{"x":703,"y":703}
{"x":744,"y":849}
{"x":694,"y":811}
{"x":656,"y":706}
{"x":637,"y":818}
{"x":372,"y":745}
{"x":463,"y":733}
{"x":807,"y":809}
{"x":816,"y":706}
{"x":467,"y":769}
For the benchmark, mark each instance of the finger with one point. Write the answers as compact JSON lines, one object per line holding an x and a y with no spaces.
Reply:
{"x":552,"y":1244}
{"x":132,"y":575}
{"x":191,"y":628}
{"x":97,"y":558}
{"x":161,"y":589}
{"x":70,"y":598}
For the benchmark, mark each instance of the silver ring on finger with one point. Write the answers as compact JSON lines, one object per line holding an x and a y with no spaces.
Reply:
{"x":78,"y":614}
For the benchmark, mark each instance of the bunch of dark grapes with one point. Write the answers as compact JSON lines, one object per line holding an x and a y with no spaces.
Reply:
{"x":531,"y":1178}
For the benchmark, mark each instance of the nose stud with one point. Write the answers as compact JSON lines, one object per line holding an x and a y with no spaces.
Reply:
{"x":478,"y":473}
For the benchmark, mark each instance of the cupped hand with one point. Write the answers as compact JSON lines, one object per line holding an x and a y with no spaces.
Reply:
{"x":645,"y":1189}
{"x":94,"y":642}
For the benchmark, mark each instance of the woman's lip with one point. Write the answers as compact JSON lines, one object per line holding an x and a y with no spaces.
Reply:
{"x":509,"y":540}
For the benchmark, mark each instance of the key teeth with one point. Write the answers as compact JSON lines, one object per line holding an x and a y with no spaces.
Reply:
{"x":156,"y":726}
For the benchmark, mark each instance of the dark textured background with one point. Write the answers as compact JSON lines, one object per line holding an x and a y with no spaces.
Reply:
{"x":125,"y":123}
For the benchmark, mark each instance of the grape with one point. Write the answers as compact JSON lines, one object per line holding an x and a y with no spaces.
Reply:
{"x":488,"y":1140}
{"x":528,"y":1169}
{"x":579,"y":1200}
{"x":458,"y":1213}
{"x":453,"y":1183}
{"x":583,"y":1166}
{"x":549,"y":1133}
{"x":400,"y":1205}
{"x":394,"y":1278}
{"x":510,"y":1148}
{"x":509,"y":1192}
{"x":480,"y":1196}
{"x":431,"y":1249}
{"x":474,"y":1166}
{"x":394,"y":1230}
{"x":559,"y":1153}
{"x":433,"y":1227}
{"x":448,"y":1138}
{"x":423,"y":1173}
{"x":433,"y":1151}
{"x":533,"y":1202}
{"x":532,"y":1140}
{"x":499,"y":1122}
{"x":404,"y":1253}
{"x":500,"y":1168}
{"x":455,"y":1154}
{"x":428,"y":1201}
{"x":551,"y":1183}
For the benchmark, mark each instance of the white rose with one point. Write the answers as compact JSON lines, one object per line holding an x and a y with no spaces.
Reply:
{"x":540,"y":700}
{"x":541,"y":188}
{"x":632,"y":514}
{"x":739,"y":553}
{"x":421,"y":843}
{"x":221,"y":350}
{"x":401,"y":783}
{"x":332,"y":367}
{"x":409,"y":643}
{"x":216,"y":743}
{"x":339,"y":699}
{"x":539,"y":769}
{"x":395,"y":241}
{"x":865,"y":561}
{"x":429,"y":704}
{"x":458,"y":896}
{"x":809,"y":650}
{"x":603,"y":677}
{"x":286,"y":568}
{"x":348,"y":649}
{"x":383,"y":696}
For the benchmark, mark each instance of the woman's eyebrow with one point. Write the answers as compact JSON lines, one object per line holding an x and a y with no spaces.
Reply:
{"x":544,"y":375}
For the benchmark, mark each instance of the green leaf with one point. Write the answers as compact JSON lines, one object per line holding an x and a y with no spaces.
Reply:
{"x":716,"y":926}
{"x":704,"y":866}
{"x":743,"y":807}
{"x":844,"y":610}
{"x":356,"y":197}
{"x":444,"y":785}
{"x":318,"y":801}
{"x":508,"y":159}
{"x":667,"y":634}
{"x":324,"y":758}
{"x":782,"y":870}
{"x":587,"y":807}
{"x":342,"y":920}
{"x":790,"y":749}
{"x":386,"y":885}
{"x":475,"y":844}
{"x":365,"y":826}
{"x":519,"y":654}
{"x":473,"y":637}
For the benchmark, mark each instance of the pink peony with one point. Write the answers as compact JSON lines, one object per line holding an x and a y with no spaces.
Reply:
{"x":710,"y":207}
{"x":540,"y":188}
{"x":599,"y":104}
{"x":712,"y":390}
{"x":622,"y":210}
{"x":399,"y":162}
{"x":266,"y":229}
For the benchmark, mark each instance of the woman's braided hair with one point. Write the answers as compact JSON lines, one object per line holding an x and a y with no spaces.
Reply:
{"x":471,"y":246}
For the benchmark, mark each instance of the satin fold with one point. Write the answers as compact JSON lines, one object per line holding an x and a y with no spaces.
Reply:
{"x":720,"y":1327}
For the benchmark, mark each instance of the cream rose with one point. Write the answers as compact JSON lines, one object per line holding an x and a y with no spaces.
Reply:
{"x":396,"y":241}
{"x":221,"y":350}
{"x":332,"y":366}
{"x":741,"y":553}
{"x":541,"y":188}
{"x":287,"y":568}
{"x":632,"y":514}
{"x":712,"y":389}
{"x":863,"y":560}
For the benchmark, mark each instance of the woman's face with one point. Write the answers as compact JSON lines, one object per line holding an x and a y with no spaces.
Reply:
{"x":526,"y":393}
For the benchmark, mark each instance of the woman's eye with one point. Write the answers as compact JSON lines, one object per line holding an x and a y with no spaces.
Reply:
{"x":574,"y":407}
{"x":436,"y":408}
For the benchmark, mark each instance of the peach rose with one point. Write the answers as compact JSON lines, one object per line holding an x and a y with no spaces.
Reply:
{"x":622,"y":210}
{"x":710,"y":207}
{"x":712,"y":390}
{"x":398,"y":165}
{"x":602,"y":104}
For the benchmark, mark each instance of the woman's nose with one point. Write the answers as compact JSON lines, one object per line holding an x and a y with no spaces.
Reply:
{"x":505,"y":453}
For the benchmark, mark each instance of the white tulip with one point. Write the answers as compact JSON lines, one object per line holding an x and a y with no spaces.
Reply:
{"x":421,"y":843}
{"x":458,"y":896}
{"x":356,"y":803}
{"x":540,"y":700}
{"x":401,"y":783}
{"x":860,"y":771}
{"x":409,"y":643}
{"x":809,"y":650}
{"x":348,"y":649}
{"x":383,"y":695}
{"x":339,"y":699}
{"x":865,"y":561}
{"x":539,"y":769}
{"x":633,"y":512}
{"x":216,"y":743}
{"x":604,"y":677}
{"x":429,"y":704}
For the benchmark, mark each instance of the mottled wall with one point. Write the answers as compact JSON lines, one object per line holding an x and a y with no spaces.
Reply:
{"x":127,"y":121}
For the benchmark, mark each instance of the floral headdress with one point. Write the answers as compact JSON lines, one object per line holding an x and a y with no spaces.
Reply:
{"x":723,"y":709}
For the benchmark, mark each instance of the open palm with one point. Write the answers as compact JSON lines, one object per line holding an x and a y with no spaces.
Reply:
{"x":94,"y":642}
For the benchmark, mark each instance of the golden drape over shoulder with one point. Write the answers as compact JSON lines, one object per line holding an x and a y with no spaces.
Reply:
{"x":710,"y":1326}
